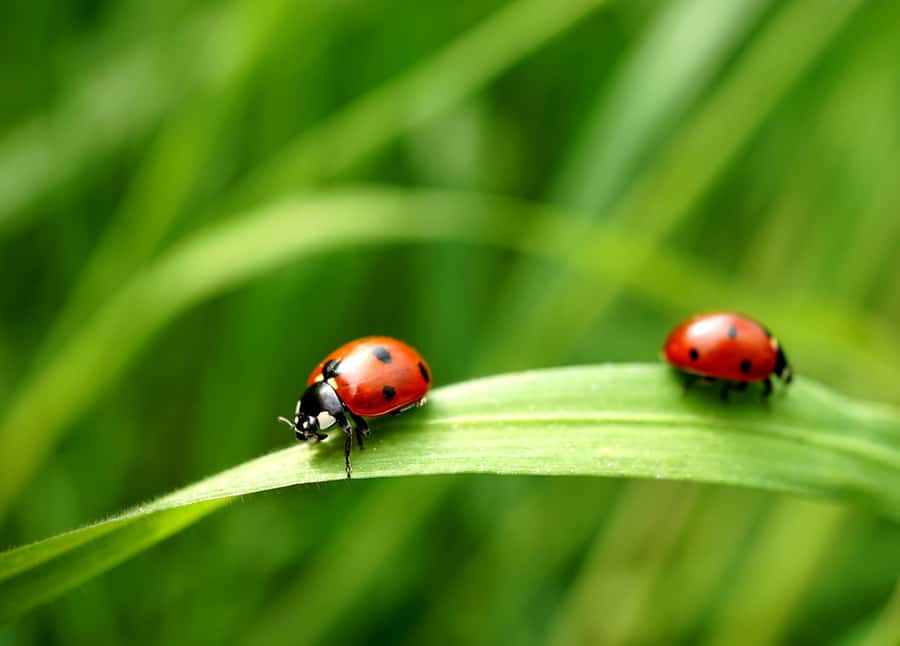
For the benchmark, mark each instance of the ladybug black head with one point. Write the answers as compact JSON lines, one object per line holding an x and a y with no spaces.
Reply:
{"x":304,"y":425}
{"x":782,"y":367}
{"x":318,"y":398}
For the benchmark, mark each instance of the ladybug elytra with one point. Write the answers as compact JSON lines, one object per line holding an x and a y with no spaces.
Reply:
{"x":728,"y":347}
{"x":368,"y":377}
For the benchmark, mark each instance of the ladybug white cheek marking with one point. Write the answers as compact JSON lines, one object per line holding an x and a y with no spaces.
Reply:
{"x":333,"y":383}
{"x":773,"y":342}
{"x":325,"y":420}
{"x":319,"y":377}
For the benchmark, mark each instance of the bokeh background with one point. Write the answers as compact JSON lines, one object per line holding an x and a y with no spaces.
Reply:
{"x":742,"y":154}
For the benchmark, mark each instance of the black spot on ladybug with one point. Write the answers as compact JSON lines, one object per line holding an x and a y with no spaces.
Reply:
{"x":694,"y":354}
{"x":746,"y":365}
{"x":381,"y":354}
{"x":424,"y":371}
{"x":732,"y":332}
{"x":330,"y":369}
{"x":388,"y":392}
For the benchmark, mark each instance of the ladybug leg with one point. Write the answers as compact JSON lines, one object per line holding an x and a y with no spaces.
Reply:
{"x":726,"y":388}
{"x":348,"y":444}
{"x":362,"y":429}
{"x":741,"y":386}
{"x":341,"y":419}
{"x":689,"y":380}
{"x":767,"y":388}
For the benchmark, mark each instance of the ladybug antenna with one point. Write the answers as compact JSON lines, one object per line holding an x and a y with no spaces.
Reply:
{"x":296,"y":423}
{"x":288,"y":422}
{"x":309,"y":429}
{"x":300,"y":435}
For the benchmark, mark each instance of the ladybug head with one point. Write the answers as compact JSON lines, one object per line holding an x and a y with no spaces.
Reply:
{"x":319,"y":402}
{"x":305,"y":426}
{"x":782,"y":367}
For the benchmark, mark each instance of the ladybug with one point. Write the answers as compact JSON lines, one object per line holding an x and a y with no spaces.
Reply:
{"x":728,"y":347}
{"x":368,"y":377}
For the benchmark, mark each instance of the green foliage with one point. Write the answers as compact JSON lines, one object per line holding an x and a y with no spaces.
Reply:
{"x":626,"y":420}
{"x":198,"y":200}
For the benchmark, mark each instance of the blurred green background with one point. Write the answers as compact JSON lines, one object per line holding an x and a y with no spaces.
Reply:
{"x":742,"y":154}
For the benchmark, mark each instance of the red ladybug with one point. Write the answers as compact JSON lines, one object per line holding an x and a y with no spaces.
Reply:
{"x":730,"y":347}
{"x":370,"y":377}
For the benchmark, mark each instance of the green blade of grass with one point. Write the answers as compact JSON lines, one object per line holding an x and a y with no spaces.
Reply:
{"x":362,"y":562}
{"x":880,"y":630}
{"x":675,"y":60}
{"x":653,"y":88}
{"x":713,"y":542}
{"x":82,"y":554}
{"x":549,"y":521}
{"x":115,"y":100}
{"x":421,"y":93}
{"x":781,"y":566}
{"x":614,"y":420}
{"x":218,"y":259}
{"x":426,"y":90}
{"x":622,"y":566}
{"x":663,"y":196}
{"x":163,"y":183}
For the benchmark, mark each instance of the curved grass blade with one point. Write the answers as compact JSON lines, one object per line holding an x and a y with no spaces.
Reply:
{"x":77,"y":556}
{"x":217,"y":259}
{"x":614,"y":420}
{"x":362,"y":561}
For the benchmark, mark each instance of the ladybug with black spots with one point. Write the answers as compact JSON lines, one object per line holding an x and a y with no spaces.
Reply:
{"x":368,"y":377}
{"x":728,"y":347}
